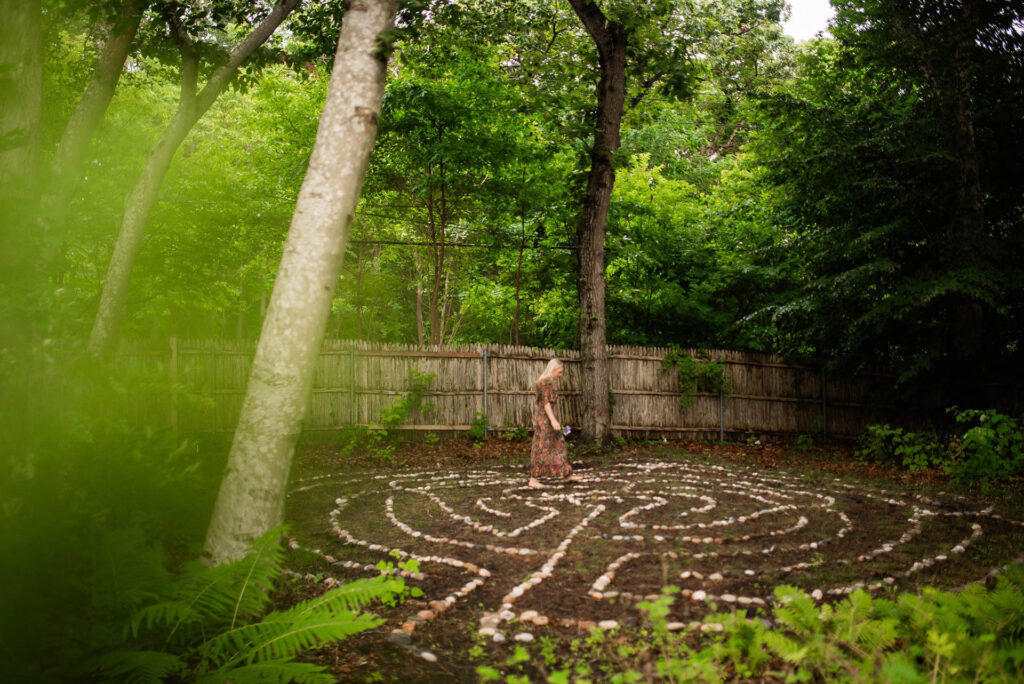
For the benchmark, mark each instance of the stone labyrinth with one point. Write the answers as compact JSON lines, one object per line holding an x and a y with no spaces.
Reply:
{"x":516,"y":561}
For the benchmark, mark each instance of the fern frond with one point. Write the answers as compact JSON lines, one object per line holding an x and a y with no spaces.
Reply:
{"x":356,"y":595}
{"x":139,"y":667}
{"x":797,"y":611}
{"x":784,"y":647}
{"x":262,"y":566}
{"x":270,"y":671}
{"x":281,"y":636}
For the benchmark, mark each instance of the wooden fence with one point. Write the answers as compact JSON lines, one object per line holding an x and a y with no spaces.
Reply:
{"x":355,"y":380}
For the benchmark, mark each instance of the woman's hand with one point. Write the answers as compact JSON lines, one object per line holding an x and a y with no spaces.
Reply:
{"x":556,"y":426}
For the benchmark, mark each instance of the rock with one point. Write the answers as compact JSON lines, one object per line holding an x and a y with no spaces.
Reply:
{"x":400,"y":638}
{"x":528,"y":615}
{"x":675,"y":626}
{"x":817,"y":595}
{"x":427,"y":615}
{"x":498,"y":638}
{"x":428,"y":656}
{"x":608,"y":624}
{"x":487,"y":631}
{"x":715,"y":577}
{"x":524,"y":637}
{"x":728,"y":598}
{"x":540,"y":620}
{"x":699,"y":595}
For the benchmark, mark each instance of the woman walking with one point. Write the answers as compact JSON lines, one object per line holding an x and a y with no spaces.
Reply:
{"x":549,"y":454}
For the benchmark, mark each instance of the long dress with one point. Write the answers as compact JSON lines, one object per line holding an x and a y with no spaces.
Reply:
{"x":549,"y":454}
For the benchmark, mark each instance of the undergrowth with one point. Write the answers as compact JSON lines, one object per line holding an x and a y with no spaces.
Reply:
{"x":990,"y":448}
{"x":973,"y":635}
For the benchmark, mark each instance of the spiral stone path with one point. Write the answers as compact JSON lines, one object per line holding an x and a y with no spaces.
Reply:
{"x":583,"y":555}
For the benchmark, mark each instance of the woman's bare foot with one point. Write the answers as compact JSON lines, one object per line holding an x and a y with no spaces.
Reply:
{"x":574,"y":478}
{"x":534,"y":483}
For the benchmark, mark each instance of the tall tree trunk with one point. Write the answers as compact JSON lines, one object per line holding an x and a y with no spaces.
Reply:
{"x":419,"y":299}
{"x":66,"y":167}
{"x":143,"y":196}
{"x":252,"y":494}
{"x":610,"y":39}
{"x":21,"y":56}
{"x":514,"y":337}
{"x":21,"y":95}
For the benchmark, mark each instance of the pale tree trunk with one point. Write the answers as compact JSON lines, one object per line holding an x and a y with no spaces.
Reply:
{"x":21,"y":57}
{"x":66,"y":167}
{"x":143,"y":196}
{"x":610,"y":39}
{"x":252,"y":494}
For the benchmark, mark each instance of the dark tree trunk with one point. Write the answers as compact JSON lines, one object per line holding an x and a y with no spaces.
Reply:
{"x":610,"y":39}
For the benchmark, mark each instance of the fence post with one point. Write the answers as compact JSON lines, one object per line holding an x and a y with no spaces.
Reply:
{"x":174,"y":386}
{"x":824,"y":405}
{"x":488,"y":423}
{"x":213,"y":383}
{"x":721,"y":415}
{"x":352,"y":386}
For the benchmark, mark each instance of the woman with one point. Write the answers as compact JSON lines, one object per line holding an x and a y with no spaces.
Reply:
{"x":548,"y":456}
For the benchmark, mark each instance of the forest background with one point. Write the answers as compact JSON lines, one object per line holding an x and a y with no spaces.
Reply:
{"x":814,"y":200}
{"x":854,"y":199}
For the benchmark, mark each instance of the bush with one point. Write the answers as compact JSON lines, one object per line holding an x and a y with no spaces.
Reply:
{"x":992,"y":449}
{"x":916,"y":452}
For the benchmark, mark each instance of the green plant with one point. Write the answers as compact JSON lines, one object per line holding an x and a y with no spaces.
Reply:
{"x":381,"y":440}
{"x":213,"y":624}
{"x":478,"y":428}
{"x":914,"y":451}
{"x":804,"y":442}
{"x":700,"y":374}
{"x":991,"y":449}
{"x":515,"y":434}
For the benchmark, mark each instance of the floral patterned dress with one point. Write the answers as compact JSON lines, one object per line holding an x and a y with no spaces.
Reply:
{"x":549,"y":454}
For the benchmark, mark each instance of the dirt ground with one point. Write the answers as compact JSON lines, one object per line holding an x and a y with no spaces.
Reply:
{"x":724,"y":523}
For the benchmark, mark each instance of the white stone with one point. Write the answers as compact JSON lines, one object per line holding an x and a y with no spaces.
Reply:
{"x":523,"y":636}
{"x":428,"y":656}
{"x":699,"y":595}
{"x":608,"y":624}
{"x":498,"y":638}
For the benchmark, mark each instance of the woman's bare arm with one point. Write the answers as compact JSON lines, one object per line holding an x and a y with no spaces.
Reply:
{"x":551,"y":417}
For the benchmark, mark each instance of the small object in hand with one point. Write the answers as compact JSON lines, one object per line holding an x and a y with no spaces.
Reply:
{"x":566,"y":430}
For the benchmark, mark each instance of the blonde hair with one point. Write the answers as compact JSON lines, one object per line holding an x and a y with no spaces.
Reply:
{"x":553,"y":364}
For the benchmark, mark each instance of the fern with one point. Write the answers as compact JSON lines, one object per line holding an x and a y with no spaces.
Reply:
{"x":212,"y":626}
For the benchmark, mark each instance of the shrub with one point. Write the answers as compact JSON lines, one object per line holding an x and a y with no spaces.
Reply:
{"x":914,"y":451}
{"x":991,"y":449}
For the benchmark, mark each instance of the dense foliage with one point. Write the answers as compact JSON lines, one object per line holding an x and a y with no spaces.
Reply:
{"x":973,"y":635}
